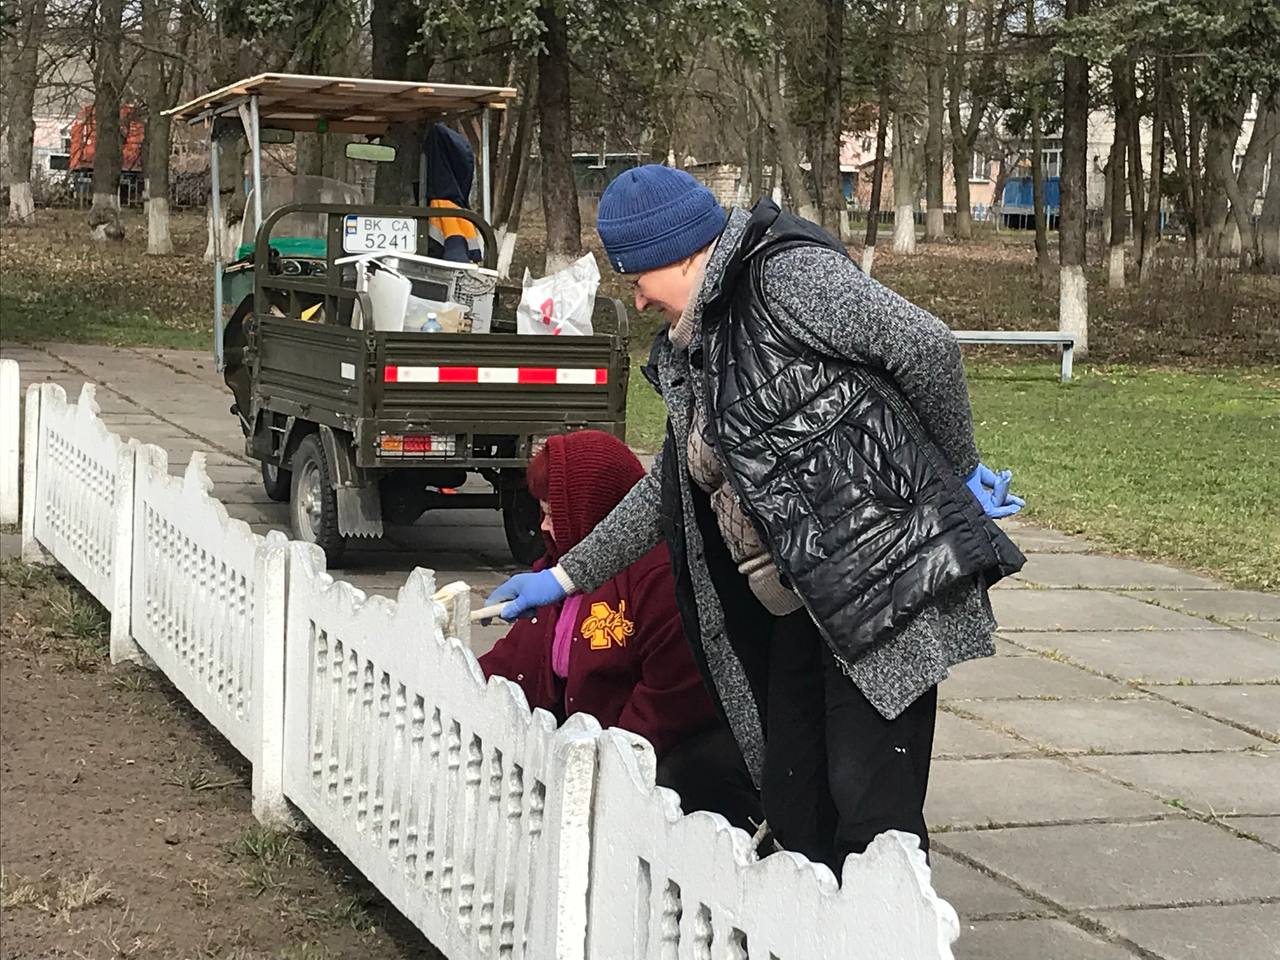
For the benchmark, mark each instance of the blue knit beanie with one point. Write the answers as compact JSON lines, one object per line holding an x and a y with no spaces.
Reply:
{"x":653,"y":216}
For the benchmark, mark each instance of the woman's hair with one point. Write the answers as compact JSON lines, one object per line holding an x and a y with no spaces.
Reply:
{"x":538,"y":474}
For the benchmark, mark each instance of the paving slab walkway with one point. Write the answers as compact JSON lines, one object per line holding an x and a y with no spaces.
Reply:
{"x":1106,"y":787}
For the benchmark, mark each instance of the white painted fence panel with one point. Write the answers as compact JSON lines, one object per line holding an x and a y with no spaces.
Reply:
{"x":83,"y":496}
{"x":208,"y":609}
{"x":468,"y":811}
{"x":10,"y":397}
{"x":672,"y":887}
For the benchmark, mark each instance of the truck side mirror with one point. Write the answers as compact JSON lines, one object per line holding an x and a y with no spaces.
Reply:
{"x":372,"y":152}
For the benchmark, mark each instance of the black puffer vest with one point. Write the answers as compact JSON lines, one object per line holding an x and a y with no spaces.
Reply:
{"x":864,"y":516}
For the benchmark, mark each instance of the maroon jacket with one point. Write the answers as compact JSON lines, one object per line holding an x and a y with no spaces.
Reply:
{"x":629,"y":663}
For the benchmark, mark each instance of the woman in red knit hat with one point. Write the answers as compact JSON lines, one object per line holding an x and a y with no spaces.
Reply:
{"x":619,"y":652}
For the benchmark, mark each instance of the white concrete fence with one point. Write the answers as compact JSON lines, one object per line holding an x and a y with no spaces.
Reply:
{"x":495,"y":832}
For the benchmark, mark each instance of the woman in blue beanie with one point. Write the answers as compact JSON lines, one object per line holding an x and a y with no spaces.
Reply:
{"x":828,"y":519}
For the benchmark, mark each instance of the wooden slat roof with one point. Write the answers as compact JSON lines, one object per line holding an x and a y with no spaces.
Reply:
{"x":344,"y":104}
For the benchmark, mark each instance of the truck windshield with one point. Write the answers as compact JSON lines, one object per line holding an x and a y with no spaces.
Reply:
{"x":279,"y":191}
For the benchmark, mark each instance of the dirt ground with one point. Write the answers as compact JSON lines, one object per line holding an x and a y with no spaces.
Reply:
{"x":126,"y":824}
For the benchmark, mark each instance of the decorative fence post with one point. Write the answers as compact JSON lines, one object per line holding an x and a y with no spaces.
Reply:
{"x":32,"y":552}
{"x":271,"y":576}
{"x":10,"y":395}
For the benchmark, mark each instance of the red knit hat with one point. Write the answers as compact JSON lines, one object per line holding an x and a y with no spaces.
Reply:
{"x":582,"y":476}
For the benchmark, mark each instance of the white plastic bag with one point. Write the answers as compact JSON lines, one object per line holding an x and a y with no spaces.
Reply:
{"x":561,"y":304}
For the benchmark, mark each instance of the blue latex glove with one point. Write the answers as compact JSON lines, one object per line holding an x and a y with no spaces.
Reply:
{"x":527,"y":592}
{"x":992,"y":491}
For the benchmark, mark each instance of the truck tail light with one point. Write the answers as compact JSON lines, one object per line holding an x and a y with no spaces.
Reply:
{"x":418,"y":445}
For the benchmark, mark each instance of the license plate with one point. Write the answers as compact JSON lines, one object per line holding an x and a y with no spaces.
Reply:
{"x":362,"y":234}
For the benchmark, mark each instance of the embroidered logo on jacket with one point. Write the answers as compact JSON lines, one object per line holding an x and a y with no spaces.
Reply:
{"x":605,"y":626}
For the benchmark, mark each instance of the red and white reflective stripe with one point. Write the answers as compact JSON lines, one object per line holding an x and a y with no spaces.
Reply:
{"x":561,"y":376}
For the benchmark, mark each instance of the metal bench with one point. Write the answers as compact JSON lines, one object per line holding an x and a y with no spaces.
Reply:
{"x":1065,"y":341}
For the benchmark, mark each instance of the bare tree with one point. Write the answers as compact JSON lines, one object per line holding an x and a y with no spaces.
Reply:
{"x":108,"y":86}
{"x":1039,"y":212}
{"x":907,"y":142}
{"x":935,"y":87}
{"x":516,"y":175}
{"x":1151,"y":224}
{"x":1073,"y":294}
{"x":877,"y":184}
{"x":21,"y":50}
{"x":555,"y":141}
{"x":971,"y":89}
{"x":164,"y":56}
{"x":1116,"y":181}
{"x":770,"y":99}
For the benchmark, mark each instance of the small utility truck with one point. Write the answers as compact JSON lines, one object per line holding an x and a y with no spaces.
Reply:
{"x":372,"y":379}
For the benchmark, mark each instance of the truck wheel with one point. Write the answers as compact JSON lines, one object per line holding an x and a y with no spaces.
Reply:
{"x":522,"y":520}
{"x":313,"y":504}
{"x":277,"y":482}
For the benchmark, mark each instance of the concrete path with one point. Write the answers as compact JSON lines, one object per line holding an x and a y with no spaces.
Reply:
{"x":1106,"y":787}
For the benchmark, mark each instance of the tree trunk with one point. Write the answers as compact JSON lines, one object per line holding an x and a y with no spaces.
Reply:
{"x":906,"y":147}
{"x":1073,"y":296}
{"x":23,"y":53}
{"x":1116,"y":184}
{"x":1040,"y":214}
{"x":1269,"y":224}
{"x":164,"y":79}
{"x":555,"y":140}
{"x":835,"y":215}
{"x":1155,"y":195}
{"x":108,"y":85}
{"x":769,"y":100}
{"x":935,"y":222}
{"x":1180,"y":144}
{"x":1004,"y":171}
{"x":960,"y":145}
{"x":877,"y":184}
{"x":1116,"y":212}
{"x":231,"y":200}
{"x":516,"y":155}
{"x":1126,"y":98}
{"x":396,"y":26}
{"x":1243,"y":188}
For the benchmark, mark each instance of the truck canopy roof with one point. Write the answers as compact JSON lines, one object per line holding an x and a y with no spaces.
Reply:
{"x":341,"y":104}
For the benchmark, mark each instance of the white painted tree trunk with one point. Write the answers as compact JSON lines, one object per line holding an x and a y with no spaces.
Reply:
{"x":22,"y":207}
{"x":1115,"y":267}
{"x":104,"y":218}
{"x":558,"y":261}
{"x":904,"y":228}
{"x":1073,"y":306}
{"x":809,"y":212}
{"x":159,"y":239}
{"x":506,"y":251}
{"x":230,"y":234}
{"x":868,"y":259}
{"x":846,"y":228}
{"x":935,"y":223}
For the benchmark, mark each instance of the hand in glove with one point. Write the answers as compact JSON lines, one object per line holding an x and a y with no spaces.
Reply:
{"x":527,"y":592}
{"x":992,"y":491}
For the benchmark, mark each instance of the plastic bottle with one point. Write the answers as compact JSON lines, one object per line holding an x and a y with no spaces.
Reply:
{"x":432,"y":325}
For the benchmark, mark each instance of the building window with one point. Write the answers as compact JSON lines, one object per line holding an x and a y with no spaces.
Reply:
{"x":1052,"y":159}
{"x":980,"y":169}
{"x":65,"y":136}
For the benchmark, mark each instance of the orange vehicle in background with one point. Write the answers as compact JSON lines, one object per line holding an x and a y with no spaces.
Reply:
{"x":84,"y":145}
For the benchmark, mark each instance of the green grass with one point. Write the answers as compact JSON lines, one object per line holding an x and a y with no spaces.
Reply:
{"x":1170,"y":465}
{"x":57,"y":284}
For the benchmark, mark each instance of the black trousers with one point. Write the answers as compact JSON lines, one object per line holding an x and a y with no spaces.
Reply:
{"x":708,"y":772}
{"x":836,"y":772}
